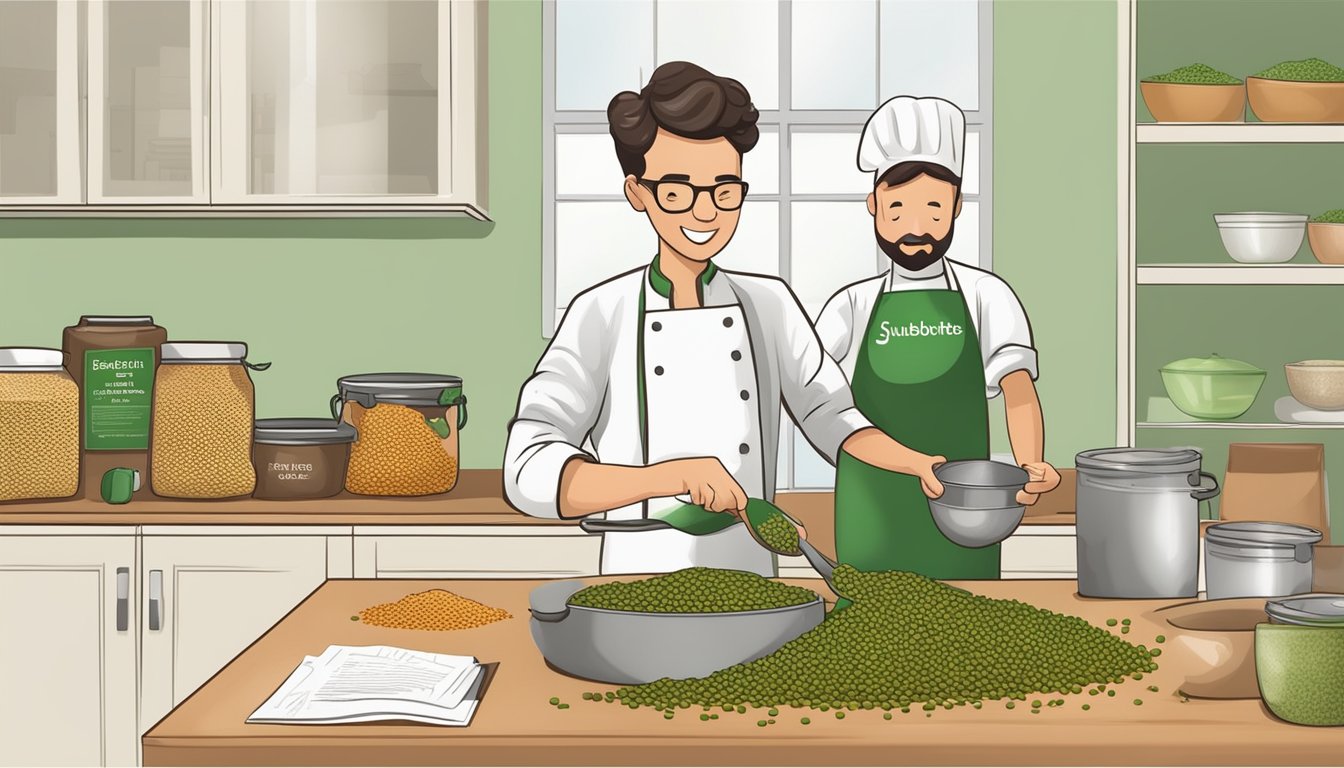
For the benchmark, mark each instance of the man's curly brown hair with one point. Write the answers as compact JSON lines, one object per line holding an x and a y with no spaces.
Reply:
{"x":686,"y":100}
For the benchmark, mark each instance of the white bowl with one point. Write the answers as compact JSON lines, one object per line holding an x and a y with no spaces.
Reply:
{"x":1261,"y":238}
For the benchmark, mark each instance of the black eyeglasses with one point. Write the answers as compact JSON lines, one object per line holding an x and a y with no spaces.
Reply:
{"x":680,"y":196}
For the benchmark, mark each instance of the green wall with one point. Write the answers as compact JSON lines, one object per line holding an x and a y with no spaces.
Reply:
{"x":326,"y":298}
{"x":1055,"y":207}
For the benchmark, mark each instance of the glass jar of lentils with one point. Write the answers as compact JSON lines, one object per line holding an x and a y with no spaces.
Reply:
{"x":39,"y":426}
{"x":201,"y":428}
{"x":408,"y":425}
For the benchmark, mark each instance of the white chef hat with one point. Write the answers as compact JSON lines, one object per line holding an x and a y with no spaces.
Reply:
{"x":909,"y":129}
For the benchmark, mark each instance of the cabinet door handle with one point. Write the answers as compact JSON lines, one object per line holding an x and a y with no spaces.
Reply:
{"x":123,"y":599}
{"x":155,"y":600}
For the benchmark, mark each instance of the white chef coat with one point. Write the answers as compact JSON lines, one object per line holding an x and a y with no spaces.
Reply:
{"x":997,"y":314}
{"x":582,"y":399}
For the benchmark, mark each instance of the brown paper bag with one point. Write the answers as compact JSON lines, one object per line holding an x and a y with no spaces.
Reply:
{"x":1276,"y":482}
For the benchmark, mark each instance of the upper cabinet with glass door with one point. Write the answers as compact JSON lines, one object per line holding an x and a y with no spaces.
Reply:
{"x":243,"y":106}
{"x":40,"y":142}
{"x":352,"y":103}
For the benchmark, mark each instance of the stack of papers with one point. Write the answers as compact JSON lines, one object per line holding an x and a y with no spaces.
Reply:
{"x":363,"y":684}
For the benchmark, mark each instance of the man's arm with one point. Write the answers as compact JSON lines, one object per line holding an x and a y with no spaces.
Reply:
{"x":1026,"y":433}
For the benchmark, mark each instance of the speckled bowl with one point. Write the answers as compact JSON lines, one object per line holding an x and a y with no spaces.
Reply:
{"x":1317,"y":384}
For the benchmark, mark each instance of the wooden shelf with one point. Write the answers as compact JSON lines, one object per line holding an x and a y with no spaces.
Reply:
{"x":1232,"y":425}
{"x":1240,"y":274}
{"x":1237,"y":133}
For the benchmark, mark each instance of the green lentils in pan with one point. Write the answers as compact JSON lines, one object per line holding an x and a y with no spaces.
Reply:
{"x":779,"y":535}
{"x":908,"y":639}
{"x":694,"y":590}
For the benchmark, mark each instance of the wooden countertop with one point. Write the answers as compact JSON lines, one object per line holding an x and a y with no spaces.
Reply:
{"x":478,"y":499}
{"x":515,"y":724}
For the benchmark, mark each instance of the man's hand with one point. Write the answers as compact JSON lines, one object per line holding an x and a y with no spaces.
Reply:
{"x":1042,"y":478}
{"x":932,"y":488}
{"x":709,"y":484}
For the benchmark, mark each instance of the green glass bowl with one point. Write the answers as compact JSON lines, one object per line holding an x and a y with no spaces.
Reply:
{"x":1301,"y":672}
{"x":1216,"y":395}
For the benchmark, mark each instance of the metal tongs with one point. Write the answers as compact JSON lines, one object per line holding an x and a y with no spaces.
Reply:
{"x":760,"y":510}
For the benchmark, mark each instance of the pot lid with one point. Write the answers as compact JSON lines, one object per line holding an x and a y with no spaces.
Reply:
{"x":1151,"y":460}
{"x":303,"y":432}
{"x":1262,"y":534}
{"x":30,"y":359}
{"x":202,"y":351}
{"x":1308,"y":610}
{"x":406,"y":388}
{"x":1211,"y":364}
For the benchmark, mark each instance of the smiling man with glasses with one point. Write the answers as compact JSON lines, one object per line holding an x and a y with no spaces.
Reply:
{"x":661,"y":390}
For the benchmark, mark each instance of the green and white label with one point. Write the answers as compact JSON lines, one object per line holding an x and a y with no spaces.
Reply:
{"x":117,"y":388}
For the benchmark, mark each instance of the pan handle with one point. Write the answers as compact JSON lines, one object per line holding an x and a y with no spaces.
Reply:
{"x":550,"y":601}
{"x":622,"y":526}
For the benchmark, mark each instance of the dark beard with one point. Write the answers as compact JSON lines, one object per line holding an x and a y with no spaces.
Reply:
{"x":918,"y":261}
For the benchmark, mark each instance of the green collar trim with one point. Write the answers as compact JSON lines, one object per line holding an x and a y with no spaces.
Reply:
{"x":663,"y":286}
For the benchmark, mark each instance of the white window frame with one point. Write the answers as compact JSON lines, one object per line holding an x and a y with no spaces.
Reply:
{"x":785,"y":120}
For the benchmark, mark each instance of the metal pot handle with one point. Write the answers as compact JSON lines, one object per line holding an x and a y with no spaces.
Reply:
{"x":1202,"y":493}
{"x":550,"y":602}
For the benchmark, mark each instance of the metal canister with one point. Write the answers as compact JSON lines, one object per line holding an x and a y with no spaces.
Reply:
{"x":1258,"y":559}
{"x":1138,"y":522}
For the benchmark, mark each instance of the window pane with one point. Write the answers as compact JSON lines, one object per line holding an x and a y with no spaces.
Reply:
{"x":931,"y":48}
{"x":833,"y":246}
{"x":834,"y":54}
{"x":367,"y":121}
{"x":966,"y":236}
{"x":810,"y":469}
{"x":595,"y":241}
{"x":586,"y":164}
{"x":970,"y":172}
{"x":760,"y":166}
{"x":731,"y":38}
{"x":601,"y":46}
{"x":824,"y":163}
{"x":148,"y":99}
{"x":755,"y":246}
{"x":27,"y":99}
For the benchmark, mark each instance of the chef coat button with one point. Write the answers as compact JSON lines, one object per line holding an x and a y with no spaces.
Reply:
{"x":658,"y":370}
{"x":737,"y":355}
{"x":657,"y":326}
{"x":746,"y":395}
{"x":744,"y":449}
{"x":727,"y":322}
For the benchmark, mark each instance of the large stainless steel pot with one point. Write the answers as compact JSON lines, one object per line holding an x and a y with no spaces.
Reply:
{"x":1138,"y":522}
{"x":628,"y":647}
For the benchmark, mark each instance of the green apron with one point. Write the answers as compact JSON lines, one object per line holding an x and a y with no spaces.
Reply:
{"x":920,"y":379}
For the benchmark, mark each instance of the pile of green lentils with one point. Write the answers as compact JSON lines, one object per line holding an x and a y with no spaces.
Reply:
{"x":908,"y":640}
{"x":1335,"y":216}
{"x":694,"y":590}
{"x":1195,"y":74}
{"x":1305,"y":71}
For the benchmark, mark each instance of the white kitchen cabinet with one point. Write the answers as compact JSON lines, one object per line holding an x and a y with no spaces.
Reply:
{"x":243,"y":107}
{"x":68,"y":661}
{"x":367,"y":102}
{"x":40,"y":122}
{"x":209,"y":591}
{"x":1040,"y":552}
{"x":147,"y":100}
{"x":475,"y":552}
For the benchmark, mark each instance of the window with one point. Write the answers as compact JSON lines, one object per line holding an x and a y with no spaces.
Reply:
{"x":815,"y":69}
